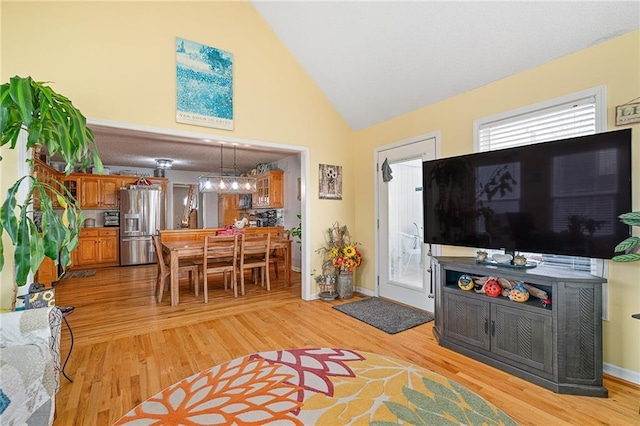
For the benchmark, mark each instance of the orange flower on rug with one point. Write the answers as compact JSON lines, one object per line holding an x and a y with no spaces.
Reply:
{"x":315,"y":386}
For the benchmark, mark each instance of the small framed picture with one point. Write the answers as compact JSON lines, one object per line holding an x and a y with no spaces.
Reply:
{"x":627,"y":114}
{"x":330,"y":178}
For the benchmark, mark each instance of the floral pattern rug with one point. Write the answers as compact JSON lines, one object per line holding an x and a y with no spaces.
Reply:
{"x":316,"y":386}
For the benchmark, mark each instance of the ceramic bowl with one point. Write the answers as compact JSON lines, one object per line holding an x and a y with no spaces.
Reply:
{"x":502,"y":258}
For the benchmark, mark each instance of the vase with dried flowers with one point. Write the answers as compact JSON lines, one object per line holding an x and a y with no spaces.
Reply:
{"x":341,"y":252}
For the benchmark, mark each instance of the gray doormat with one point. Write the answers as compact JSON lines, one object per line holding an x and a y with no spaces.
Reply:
{"x":80,"y":274}
{"x":385,"y":315}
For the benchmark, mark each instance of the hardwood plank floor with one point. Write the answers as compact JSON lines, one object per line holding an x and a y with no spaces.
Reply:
{"x":128,"y":347}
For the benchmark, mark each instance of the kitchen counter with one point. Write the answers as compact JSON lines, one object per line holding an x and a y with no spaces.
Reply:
{"x":199,"y":234}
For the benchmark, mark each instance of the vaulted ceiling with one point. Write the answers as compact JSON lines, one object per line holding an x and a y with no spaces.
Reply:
{"x":378,"y":60}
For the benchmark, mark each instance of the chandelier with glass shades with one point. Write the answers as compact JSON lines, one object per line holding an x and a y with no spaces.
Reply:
{"x":227,"y":183}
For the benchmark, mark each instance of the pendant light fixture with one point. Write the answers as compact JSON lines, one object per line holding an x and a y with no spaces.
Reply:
{"x":227,"y":183}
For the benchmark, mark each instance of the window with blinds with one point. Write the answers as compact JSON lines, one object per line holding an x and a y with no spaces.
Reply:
{"x":572,"y":116}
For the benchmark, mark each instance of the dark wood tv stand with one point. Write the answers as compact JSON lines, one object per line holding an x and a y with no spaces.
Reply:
{"x":558,"y":347}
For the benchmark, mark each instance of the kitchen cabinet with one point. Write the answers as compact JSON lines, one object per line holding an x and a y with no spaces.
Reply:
{"x":47,"y":272}
{"x":71,"y":184}
{"x":230,"y":207}
{"x":270,"y":190}
{"x":48,"y":176}
{"x":558,"y":346}
{"x":98,"y":247}
{"x":99,"y":192}
{"x":228,"y":210}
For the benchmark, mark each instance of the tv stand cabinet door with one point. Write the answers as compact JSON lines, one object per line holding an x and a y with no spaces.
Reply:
{"x":467,"y":320}
{"x":580,"y":333}
{"x":522,"y":336}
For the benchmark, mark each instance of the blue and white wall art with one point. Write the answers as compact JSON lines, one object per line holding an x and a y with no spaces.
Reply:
{"x":204,"y":80}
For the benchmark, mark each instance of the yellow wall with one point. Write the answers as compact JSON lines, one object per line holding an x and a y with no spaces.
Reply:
{"x":116,"y":61}
{"x":615,"y":64}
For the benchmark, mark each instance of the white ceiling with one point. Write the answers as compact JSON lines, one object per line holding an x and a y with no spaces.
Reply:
{"x":378,"y":60}
{"x":139,"y":149}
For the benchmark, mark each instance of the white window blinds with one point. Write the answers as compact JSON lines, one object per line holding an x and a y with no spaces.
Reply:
{"x":571,"y":118}
{"x":568,"y":120}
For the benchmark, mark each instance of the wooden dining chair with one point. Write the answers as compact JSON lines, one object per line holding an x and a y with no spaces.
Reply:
{"x":220,"y":255}
{"x":254,"y":254}
{"x":164,"y":271}
{"x":277,"y":255}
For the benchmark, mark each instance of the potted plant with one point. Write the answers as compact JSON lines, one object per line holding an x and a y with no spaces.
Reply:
{"x":50,"y":122}
{"x":327,"y":284}
{"x":630,"y":245}
{"x":341,"y":252}
{"x":296,"y":231}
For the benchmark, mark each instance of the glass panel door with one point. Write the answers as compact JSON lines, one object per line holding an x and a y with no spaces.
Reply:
{"x":403,"y":260}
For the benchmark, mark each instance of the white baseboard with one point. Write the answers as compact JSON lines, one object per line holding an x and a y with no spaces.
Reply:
{"x":621,"y":373}
{"x":360,"y":290}
{"x":612,"y":370}
{"x":365,"y":291}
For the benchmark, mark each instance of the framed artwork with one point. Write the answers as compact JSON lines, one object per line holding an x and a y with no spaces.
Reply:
{"x":330,"y":182}
{"x":204,"y":83}
{"x":627,"y":114}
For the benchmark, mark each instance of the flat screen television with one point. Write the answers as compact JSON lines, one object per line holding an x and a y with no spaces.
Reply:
{"x":561,"y":197}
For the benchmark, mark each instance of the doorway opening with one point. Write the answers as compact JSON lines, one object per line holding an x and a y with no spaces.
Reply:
{"x":207,"y":140}
{"x":404,"y":273}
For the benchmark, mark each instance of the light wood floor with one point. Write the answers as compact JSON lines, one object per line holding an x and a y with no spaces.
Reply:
{"x":128,"y":348}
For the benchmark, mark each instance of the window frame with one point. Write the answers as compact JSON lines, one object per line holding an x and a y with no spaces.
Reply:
{"x":598,"y":267}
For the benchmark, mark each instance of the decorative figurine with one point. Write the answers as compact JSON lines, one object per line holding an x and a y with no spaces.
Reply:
{"x":481,"y":256}
{"x":492,"y":288}
{"x":519,"y":293}
{"x":239,"y":224}
{"x":520,"y":260}
{"x":465,"y":282}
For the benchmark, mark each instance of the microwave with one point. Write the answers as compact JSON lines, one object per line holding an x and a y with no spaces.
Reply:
{"x":112,"y":218}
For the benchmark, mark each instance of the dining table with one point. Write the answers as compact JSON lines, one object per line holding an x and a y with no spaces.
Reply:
{"x":189,"y":249}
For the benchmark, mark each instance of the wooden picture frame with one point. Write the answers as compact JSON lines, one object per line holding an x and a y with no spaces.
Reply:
{"x":330,"y":181}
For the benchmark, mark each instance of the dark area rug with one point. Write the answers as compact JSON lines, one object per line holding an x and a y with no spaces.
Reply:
{"x":385,"y":315}
{"x":80,"y":274}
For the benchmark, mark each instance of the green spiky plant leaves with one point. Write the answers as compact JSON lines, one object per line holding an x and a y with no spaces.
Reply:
{"x":631,"y":245}
{"x":50,"y":120}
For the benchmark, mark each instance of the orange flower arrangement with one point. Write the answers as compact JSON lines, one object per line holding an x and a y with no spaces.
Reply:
{"x":339,"y":250}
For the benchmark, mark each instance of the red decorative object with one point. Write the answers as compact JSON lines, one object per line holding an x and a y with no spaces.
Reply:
{"x":492,"y":288}
{"x":143,"y":181}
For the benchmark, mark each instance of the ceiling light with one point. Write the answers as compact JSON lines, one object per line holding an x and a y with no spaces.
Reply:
{"x":227,"y":184}
{"x":163,"y":163}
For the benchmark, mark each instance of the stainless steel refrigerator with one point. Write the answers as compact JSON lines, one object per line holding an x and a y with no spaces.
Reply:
{"x":142,"y":214}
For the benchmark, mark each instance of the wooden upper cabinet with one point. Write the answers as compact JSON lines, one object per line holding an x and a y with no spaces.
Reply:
{"x":92,"y":191}
{"x":99,"y":192}
{"x":270,"y":190}
{"x":47,"y":175}
{"x":227,"y":209}
{"x":110,"y":192}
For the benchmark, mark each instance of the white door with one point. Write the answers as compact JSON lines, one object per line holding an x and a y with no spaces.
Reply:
{"x":403,"y":258}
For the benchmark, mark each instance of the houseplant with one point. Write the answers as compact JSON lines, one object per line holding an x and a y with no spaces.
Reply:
{"x":630,"y":245}
{"x":296,"y":231}
{"x":50,"y":122}
{"x":341,"y":252}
